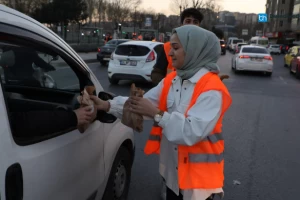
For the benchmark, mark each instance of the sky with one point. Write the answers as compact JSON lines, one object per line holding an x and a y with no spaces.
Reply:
{"x":244,"y":6}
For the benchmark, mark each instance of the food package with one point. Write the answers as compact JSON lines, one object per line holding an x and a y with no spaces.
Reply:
{"x":130,"y":119}
{"x":84,"y":100}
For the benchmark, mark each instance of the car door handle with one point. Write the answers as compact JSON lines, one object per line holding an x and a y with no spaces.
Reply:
{"x":14,"y":182}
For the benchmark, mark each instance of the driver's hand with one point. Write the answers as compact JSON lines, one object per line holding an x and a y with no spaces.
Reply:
{"x":84,"y":115}
{"x":99,"y":103}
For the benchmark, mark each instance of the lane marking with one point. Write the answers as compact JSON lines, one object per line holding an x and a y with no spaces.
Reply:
{"x":282,"y":80}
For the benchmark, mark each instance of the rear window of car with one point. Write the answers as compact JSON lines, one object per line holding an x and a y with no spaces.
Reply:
{"x":275,"y":46}
{"x":132,"y":50}
{"x":236,"y":41}
{"x":254,"y":50}
{"x":222,"y":42}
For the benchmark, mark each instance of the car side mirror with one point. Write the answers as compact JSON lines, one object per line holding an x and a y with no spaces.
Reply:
{"x":103,"y":116}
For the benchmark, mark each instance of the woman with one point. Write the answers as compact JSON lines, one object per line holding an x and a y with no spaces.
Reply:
{"x":187,"y":107}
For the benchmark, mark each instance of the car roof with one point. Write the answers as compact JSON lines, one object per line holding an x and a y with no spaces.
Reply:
{"x":253,"y":46}
{"x":10,"y":16}
{"x":141,"y":43}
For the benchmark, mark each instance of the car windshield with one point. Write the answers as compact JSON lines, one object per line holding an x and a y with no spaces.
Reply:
{"x":237,"y":41}
{"x":263,"y":42}
{"x":254,"y":50}
{"x":132,"y":50}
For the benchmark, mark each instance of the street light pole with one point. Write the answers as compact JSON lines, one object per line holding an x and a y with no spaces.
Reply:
{"x":134,"y":20}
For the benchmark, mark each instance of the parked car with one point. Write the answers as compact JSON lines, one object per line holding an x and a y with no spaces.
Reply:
{"x":223,"y":47}
{"x":94,"y":165}
{"x":253,"y":58}
{"x":291,"y":53}
{"x":104,"y":52}
{"x":295,"y":65}
{"x":274,"y":49}
{"x":238,"y":47}
{"x":133,"y":60}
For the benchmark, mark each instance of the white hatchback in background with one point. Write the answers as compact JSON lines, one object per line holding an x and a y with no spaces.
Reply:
{"x":253,"y":58}
{"x":134,"y":61}
{"x":274,"y":49}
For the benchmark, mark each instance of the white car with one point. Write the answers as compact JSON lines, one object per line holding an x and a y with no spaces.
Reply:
{"x":133,"y":60}
{"x":253,"y":58}
{"x":274,"y":49}
{"x":65,"y":165}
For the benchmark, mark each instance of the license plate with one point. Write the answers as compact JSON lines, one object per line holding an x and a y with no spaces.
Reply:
{"x":130,"y":62}
{"x":256,"y":59}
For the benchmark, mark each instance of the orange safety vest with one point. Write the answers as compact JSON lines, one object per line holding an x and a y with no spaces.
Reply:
{"x":167,"y":48}
{"x":200,"y":165}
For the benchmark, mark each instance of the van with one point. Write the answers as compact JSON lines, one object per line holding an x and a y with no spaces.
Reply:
{"x":259,"y":41}
{"x":229,"y":41}
{"x":37,"y":161}
{"x":233,"y":42}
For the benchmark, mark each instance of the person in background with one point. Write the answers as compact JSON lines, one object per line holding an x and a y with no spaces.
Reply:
{"x":163,"y":64}
{"x":187,"y":109}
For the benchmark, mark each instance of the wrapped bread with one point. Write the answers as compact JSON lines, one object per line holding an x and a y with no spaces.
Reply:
{"x":130,"y":119}
{"x":84,"y":101}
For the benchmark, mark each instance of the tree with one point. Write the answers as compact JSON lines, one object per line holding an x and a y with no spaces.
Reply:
{"x":119,"y":10}
{"x":25,"y":6}
{"x":66,"y":11}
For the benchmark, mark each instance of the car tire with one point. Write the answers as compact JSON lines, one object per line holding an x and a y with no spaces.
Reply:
{"x":297,"y":73}
{"x":113,"y":81}
{"x":269,"y":73}
{"x":103,"y":63}
{"x":119,"y":179}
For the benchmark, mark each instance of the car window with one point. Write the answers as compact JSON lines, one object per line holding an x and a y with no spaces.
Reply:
{"x":112,"y":42}
{"x":253,"y":41}
{"x":237,"y":41}
{"x":222,"y":42}
{"x":26,"y":66}
{"x":132,"y":50}
{"x":121,"y":41}
{"x":263,"y":42}
{"x":254,"y":50}
{"x":35,"y":78}
{"x":275,"y":46}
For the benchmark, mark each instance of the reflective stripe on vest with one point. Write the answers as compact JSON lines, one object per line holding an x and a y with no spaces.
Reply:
{"x":206,"y":158}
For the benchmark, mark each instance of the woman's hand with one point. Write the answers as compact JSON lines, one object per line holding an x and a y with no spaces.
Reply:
{"x":99,"y":103}
{"x":84,"y":115}
{"x":142,"y":106}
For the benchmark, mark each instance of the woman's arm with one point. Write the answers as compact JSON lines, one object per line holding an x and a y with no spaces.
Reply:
{"x":115,"y":106}
{"x":199,"y":123}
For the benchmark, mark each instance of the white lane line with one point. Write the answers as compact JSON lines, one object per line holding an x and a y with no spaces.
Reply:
{"x":282,"y":80}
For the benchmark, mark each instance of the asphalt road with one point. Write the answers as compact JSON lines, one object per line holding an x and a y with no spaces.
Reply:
{"x":261,"y":136}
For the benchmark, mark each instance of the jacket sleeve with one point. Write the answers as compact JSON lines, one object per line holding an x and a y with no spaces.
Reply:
{"x":199,"y":123}
{"x":116,"y":104}
{"x":41,"y":123}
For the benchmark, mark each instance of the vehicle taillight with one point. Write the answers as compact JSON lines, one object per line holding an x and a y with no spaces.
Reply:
{"x":223,"y":45}
{"x":268,"y":58}
{"x":280,"y":47}
{"x":99,"y":49}
{"x":243,"y":56}
{"x":151,"y":57}
{"x":286,"y":48}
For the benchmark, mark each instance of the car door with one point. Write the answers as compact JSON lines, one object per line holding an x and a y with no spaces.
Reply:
{"x":288,"y":56}
{"x":64,"y":165}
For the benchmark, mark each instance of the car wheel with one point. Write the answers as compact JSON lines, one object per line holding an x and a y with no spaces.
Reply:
{"x":113,"y":81}
{"x":269,"y":73}
{"x":103,"y":63}
{"x":297,"y":73}
{"x":290,"y":67}
{"x":119,"y":179}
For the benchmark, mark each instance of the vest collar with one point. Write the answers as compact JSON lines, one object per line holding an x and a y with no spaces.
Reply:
{"x":194,"y":79}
